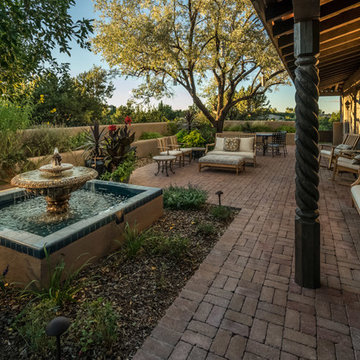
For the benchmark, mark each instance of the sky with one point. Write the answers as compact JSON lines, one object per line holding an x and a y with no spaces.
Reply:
{"x":83,"y":60}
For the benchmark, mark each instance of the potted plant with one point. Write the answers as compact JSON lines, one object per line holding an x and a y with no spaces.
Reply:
{"x":93,"y":147}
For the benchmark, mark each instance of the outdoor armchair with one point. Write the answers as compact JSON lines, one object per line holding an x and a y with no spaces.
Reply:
{"x":330,"y":151}
{"x":345,"y":162}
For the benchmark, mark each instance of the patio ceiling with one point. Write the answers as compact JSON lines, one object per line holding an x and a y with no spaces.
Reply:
{"x":339,"y":39}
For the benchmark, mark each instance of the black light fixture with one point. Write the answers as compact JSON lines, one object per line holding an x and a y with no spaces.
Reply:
{"x":57,"y":327}
{"x":219,"y":193}
{"x":347,"y":104}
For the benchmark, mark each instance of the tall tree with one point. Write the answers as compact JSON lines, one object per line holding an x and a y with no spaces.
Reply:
{"x":29,"y":31}
{"x":207,"y":46}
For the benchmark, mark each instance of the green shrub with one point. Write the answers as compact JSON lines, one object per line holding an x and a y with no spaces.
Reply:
{"x":173,"y":126}
{"x":61,"y":287}
{"x":95,"y":325}
{"x":133,"y":240}
{"x":77,"y":141}
{"x":180,"y":136}
{"x":235,"y":128}
{"x":12,"y":119}
{"x":221,"y":212}
{"x":42,"y":141}
{"x":123,"y":172}
{"x":174,"y":246}
{"x":287,"y":128}
{"x":150,"y":135}
{"x":31,"y":324}
{"x":194,"y":139}
{"x":181,"y":198}
{"x":206,"y":229}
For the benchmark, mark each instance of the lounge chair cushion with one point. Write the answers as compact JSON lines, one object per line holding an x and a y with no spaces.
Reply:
{"x":246,"y":144}
{"x":221,"y":159}
{"x":342,"y":147}
{"x":326,"y":153}
{"x":356,"y":160}
{"x":246,"y":155}
{"x":219,"y":144}
{"x":345,"y":162}
{"x":171,"y":152}
{"x":231,"y":144}
{"x":355,"y":192}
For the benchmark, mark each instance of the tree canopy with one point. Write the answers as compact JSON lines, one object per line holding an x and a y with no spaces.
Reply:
{"x":29,"y":31}
{"x":210,"y":47}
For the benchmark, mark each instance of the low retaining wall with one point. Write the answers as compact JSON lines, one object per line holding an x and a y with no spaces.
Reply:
{"x":290,"y":137}
{"x":144,"y":148}
{"x":138,"y":128}
{"x":273,"y":124}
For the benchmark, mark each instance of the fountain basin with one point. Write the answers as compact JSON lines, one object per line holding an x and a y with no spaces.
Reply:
{"x":76,"y":242}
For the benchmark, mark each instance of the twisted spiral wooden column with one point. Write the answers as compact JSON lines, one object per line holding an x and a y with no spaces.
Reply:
{"x":307,"y":226}
{"x":307,"y":137}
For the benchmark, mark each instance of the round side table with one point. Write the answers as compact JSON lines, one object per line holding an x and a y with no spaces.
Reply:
{"x":164,"y":162}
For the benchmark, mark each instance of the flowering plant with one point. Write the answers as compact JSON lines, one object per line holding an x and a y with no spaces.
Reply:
{"x":117,"y":145}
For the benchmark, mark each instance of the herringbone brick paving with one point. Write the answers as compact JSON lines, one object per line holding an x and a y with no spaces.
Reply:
{"x":242,"y":303}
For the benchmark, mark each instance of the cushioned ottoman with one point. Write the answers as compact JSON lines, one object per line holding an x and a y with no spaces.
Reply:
{"x":222,"y":161}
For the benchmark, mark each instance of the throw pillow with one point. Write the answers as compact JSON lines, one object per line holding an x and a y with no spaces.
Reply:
{"x":247,"y":144}
{"x":356,"y":160}
{"x":219,"y":143}
{"x":341,"y":147}
{"x":231,"y":144}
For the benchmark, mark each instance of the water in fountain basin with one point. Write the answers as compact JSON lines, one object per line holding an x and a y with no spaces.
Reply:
{"x":30,"y":214}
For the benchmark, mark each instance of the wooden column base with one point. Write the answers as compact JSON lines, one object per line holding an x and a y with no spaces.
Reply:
{"x":307,"y":253}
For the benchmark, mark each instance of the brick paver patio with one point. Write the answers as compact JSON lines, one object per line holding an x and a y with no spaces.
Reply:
{"x":242,"y":303}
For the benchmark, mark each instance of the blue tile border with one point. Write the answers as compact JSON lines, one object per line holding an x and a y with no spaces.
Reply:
{"x":33,"y":245}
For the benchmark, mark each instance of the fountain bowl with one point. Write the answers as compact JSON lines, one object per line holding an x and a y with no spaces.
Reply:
{"x":55,"y":184}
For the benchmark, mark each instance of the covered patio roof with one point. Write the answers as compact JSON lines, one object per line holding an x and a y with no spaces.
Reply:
{"x":339,"y":60}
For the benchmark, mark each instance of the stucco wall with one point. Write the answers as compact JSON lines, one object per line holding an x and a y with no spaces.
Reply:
{"x":271,"y":123}
{"x":160,"y":127}
{"x":144,"y":148}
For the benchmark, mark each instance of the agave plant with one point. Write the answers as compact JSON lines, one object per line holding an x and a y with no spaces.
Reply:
{"x":94,"y":141}
{"x":117,"y":144}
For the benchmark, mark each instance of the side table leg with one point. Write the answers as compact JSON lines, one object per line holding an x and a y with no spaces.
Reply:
{"x":166,"y":167}
{"x":171,"y":166}
{"x":158,"y":170}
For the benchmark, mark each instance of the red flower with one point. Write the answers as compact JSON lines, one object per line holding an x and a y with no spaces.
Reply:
{"x":112,"y":127}
{"x":128,"y":120}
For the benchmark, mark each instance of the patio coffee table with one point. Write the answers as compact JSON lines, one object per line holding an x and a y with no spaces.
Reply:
{"x":222,"y":161}
{"x":163,"y":161}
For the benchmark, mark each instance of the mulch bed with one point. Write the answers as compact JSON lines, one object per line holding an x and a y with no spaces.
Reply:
{"x":139,"y":288}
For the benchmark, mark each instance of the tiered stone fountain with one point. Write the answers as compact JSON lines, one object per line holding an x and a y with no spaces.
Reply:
{"x":55,"y":181}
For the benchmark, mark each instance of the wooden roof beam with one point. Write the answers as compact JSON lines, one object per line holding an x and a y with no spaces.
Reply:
{"x":340,"y":41}
{"x":340,"y":32}
{"x":340,"y":20}
{"x":329,"y":36}
{"x":335,"y":8}
{"x":277,"y":10}
{"x":281,"y":28}
{"x":286,"y":27}
{"x":353,"y":80}
{"x":352,"y":45}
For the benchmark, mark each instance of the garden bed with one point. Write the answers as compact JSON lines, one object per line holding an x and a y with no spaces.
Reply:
{"x":139,"y":283}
